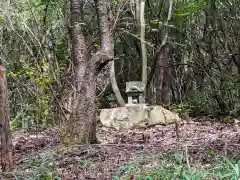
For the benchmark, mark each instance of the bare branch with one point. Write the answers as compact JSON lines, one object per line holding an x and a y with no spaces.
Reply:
{"x":164,"y":41}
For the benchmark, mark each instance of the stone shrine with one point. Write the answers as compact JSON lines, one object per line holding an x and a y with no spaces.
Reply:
{"x":135,"y":92}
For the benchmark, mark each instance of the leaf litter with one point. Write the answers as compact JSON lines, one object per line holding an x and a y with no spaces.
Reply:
{"x":36,"y":151}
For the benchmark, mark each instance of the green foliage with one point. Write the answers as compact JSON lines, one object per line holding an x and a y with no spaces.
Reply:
{"x":194,"y":105}
{"x":26,"y":43}
{"x":41,"y":167}
{"x":173,"y":166}
{"x":190,"y":8}
{"x":201,"y":28}
{"x":84,"y":165}
{"x":181,"y":108}
{"x":228,"y":169}
{"x":37,"y":84}
{"x":124,"y":169}
{"x":221,"y":100}
{"x":42,"y":173}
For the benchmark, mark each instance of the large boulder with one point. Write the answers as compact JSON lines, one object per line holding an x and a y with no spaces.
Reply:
{"x":137,"y":115}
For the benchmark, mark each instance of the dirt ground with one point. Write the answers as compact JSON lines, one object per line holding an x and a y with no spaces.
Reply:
{"x":121,"y":147}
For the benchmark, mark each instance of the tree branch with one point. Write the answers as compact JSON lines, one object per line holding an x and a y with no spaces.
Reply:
{"x":107,"y":47}
{"x":101,"y":60}
{"x":164,"y":41}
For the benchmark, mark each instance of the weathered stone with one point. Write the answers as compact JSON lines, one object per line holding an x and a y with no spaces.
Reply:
{"x":137,"y":115}
{"x":135,"y":89}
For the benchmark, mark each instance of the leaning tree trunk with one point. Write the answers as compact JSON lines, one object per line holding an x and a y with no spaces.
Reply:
{"x":107,"y":45}
{"x":6,"y":138}
{"x":114,"y":84}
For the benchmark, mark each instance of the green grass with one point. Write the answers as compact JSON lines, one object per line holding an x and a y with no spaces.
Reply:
{"x":173,"y":166}
{"x":208,"y":164}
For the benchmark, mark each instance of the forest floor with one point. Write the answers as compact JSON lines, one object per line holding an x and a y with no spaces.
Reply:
{"x":35,"y":154}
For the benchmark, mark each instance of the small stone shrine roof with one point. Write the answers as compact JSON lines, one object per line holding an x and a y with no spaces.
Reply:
{"x":135,"y":86}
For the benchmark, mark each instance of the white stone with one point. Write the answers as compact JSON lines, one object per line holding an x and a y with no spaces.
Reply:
{"x":137,"y":115}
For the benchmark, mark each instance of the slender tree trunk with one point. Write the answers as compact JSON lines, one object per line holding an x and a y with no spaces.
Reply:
{"x":143,"y":44}
{"x":165,"y":95}
{"x":107,"y":45}
{"x":163,"y":43}
{"x":115,"y":88}
{"x":137,"y":28}
{"x":6,"y":138}
{"x":140,"y":31}
{"x":162,"y":79}
{"x":137,"y":15}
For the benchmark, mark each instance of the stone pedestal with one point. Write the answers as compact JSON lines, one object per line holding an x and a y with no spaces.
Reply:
{"x":137,"y":115}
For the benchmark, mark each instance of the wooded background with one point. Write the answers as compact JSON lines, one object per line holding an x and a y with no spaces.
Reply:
{"x":191,"y":51}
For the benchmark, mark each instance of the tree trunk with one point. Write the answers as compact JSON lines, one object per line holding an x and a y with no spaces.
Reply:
{"x":107,"y":45}
{"x":137,"y":15}
{"x":82,"y":121}
{"x":6,"y":138}
{"x":115,"y":88}
{"x":166,"y":77}
{"x":143,"y":44}
{"x":162,"y":79}
{"x":81,"y":125}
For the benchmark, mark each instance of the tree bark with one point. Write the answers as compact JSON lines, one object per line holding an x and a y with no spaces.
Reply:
{"x":6,"y":138}
{"x":82,"y":122}
{"x":163,"y":43}
{"x":81,"y":125}
{"x":107,"y":45}
{"x":143,"y":44}
{"x":162,"y":79}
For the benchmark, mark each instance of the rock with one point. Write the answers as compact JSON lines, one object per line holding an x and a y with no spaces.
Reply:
{"x":137,"y":115}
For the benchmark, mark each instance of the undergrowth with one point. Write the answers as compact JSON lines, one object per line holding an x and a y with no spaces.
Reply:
{"x":174,"y":166}
{"x":168,"y":166}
